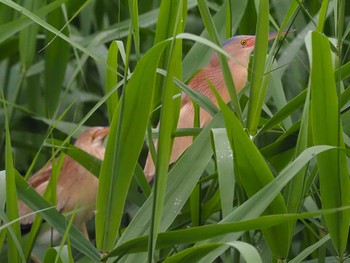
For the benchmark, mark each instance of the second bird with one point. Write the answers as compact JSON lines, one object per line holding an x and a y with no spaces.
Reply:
{"x":76,"y":186}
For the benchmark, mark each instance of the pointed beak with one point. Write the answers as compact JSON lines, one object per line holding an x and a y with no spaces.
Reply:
{"x":272,"y":35}
{"x":251,"y":40}
{"x":275,"y":34}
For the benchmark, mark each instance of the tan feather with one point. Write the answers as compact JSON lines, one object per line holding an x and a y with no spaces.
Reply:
{"x":76,"y":186}
{"x":212,"y":72}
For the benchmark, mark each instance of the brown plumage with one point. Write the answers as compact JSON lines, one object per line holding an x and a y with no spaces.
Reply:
{"x":76,"y":186}
{"x":240,"y":48}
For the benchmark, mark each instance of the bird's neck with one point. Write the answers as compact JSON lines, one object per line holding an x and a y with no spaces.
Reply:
{"x":214,"y":76}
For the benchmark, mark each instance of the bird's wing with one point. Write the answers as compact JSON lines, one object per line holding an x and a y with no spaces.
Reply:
{"x":180,"y":143}
{"x":39,"y":182}
{"x":199,"y":83}
{"x":76,"y":187}
{"x":23,"y":209}
{"x":41,"y":176}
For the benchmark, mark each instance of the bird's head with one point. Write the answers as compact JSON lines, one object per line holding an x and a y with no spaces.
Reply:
{"x":239,"y":47}
{"x":239,"y":44}
{"x":92,"y":141}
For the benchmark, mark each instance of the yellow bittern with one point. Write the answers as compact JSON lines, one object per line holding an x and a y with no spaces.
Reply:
{"x":76,"y":186}
{"x":240,"y":48}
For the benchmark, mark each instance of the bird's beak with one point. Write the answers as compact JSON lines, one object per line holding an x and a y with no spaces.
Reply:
{"x":251,"y":40}
{"x":272,"y":35}
{"x":275,"y":34}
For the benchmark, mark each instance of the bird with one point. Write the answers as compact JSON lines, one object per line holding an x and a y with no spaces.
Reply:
{"x":239,"y":48}
{"x":76,"y":186}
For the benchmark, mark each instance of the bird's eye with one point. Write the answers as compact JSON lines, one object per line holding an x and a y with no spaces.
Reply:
{"x":243,"y":42}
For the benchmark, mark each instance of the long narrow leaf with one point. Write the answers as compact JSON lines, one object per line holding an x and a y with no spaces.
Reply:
{"x":224,"y":162}
{"x":168,"y":122}
{"x":248,"y":252}
{"x":209,"y":24}
{"x":112,"y":78}
{"x":235,"y":222}
{"x":14,"y":253}
{"x":327,"y":129}
{"x":257,"y":93}
{"x":121,"y":155}
{"x":188,"y":170}
{"x":254,"y":174}
{"x":56,"y":60}
{"x":10,"y":28}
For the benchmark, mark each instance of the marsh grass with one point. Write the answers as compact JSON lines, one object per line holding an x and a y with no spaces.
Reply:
{"x":267,"y":181}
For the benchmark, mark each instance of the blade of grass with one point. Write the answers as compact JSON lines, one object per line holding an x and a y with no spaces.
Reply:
{"x":286,"y":111}
{"x":15,"y":253}
{"x":254,"y":174}
{"x":224,"y":161}
{"x":112,"y":78}
{"x":3,"y":234}
{"x":342,"y":72}
{"x":56,"y":60}
{"x":248,"y":252}
{"x":185,"y":236}
{"x":121,"y":158}
{"x":165,"y":28}
{"x":50,"y":28}
{"x":322,"y":16}
{"x":257,"y":93}
{"x":50,"y":195}
{"x":307,"y":251}
{"x":121,"y":29}
{"x":6,"y":230}
{"x":188,"y":170}
{"x":51,"y":255}
{"x":256,"y":204}
{"x":134,"y":14}
{"x":195,"y":197}
{"x":209,"y":24}
{"x":333,"y":172}
{"x":203,"y":101}
{"x":12,"y":27}
{"x":27,"y":38}
{"x":169,"y":110}
{"x":294,"y":190}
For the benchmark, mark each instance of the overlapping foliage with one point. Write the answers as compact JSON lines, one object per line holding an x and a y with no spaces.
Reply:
{"x":266,"y":180}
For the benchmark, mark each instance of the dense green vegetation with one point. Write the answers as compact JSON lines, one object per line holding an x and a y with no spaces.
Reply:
{"x":279,"y":192}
